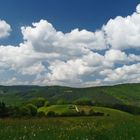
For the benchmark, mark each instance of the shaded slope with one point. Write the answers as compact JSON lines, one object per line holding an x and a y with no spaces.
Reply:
{"x":126,"y":93}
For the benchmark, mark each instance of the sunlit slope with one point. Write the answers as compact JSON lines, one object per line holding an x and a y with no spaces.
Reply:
{"x":61,"y":109}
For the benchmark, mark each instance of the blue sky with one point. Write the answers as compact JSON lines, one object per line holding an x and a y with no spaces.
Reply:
{"x":69,"y":42}
{"x":65,"y":15}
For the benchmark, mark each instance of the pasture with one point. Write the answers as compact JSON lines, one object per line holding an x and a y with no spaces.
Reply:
{"x":117,"y":126}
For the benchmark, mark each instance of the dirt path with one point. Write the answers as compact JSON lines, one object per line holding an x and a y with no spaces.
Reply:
{"x":76,"y":108}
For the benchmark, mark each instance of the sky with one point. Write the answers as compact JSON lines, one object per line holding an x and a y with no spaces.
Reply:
{"x":75,"y":43}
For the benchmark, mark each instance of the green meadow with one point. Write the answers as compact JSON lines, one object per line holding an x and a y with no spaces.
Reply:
{"x":72,"y":128}
{"x":113,"y":125}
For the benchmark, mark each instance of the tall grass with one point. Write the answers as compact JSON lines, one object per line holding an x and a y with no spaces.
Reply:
{"x":71,"y":128}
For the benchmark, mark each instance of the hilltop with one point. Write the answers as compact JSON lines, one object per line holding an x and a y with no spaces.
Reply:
{"x":119,"y":94}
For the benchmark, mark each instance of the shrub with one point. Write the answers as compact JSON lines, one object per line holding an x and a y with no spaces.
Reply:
{"x":128,"y":108}
{"x":83,"y":102}
{"x":24,"y":111}
{"x":14,"y":111}
{"x":107,"y":114}
{"x":38,"y":102}
{"x":33,"y":109}
{"x":61,"y":102}
{"x":41,"y":114}
{"x":47,"y":103}
{"x":82,"y":113}
{"x":69,"y":113}
{"x":93,"y":113}
{"x":71,"y":107}
{"x":99,"y":114}
{"x":51,"y":114}
{"x":4,"y":112}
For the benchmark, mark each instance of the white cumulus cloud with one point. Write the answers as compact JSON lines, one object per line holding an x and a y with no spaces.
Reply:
{"x":5,"y":29}
{"x":124,"y":32}
{"x":77,"y":58}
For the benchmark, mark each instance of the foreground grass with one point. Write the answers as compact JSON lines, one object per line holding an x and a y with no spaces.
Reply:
{"x":71,"y":128}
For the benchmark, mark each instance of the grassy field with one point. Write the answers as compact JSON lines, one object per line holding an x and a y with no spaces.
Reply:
{"x":118,"y":125}
{"x":60,"y":109}
{"x":72,"y":128}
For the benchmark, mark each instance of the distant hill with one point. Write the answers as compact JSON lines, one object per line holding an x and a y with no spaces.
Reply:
{"x":118,"y":94}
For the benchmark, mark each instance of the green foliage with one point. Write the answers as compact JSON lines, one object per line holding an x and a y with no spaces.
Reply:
{"x":82,"y":113}
{"x":38,"y":102}
{"x":25,"y":111}
{"x":61,"y":102}
{"x":93,"y":113}
{"x":14,"y":111}
{"x":71,"y":107}
{"x":51,"y":114}
{"x":60,"y":110}
{"x":128,"y":108}
{"x":3,"y":110}
{"x":41,"y":114}
{"x":28,"y":110}
{"x":47,"y":103}
{"x":32,"y":108}
{"x":84,"y":101}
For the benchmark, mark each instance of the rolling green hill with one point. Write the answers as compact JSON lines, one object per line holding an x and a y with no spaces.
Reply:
{"x":118,"y":94}
{"x":58,"y":109}
{"x":61,"y":109}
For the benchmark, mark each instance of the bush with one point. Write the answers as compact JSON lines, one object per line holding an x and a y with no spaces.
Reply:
{"x":128,"y":108}
{"x":69,"y":113}
{"x":4,"y":112}
{"x":71,"y":107}
{"x":33,"y":109}
{"x":61,"y":102}
{"x":24,"y":111}
{"x":51,"y":114}
{"x":83,"y":102}
{"x":28,"y":110}
{"x":82,"y":113}
{"x":41,"y":114}
{"x":14,"y":111}
{"x":99,"y":114}
{"x":38,"y":102}
{"x":47,"y":103}
{"x":93,"y":113}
